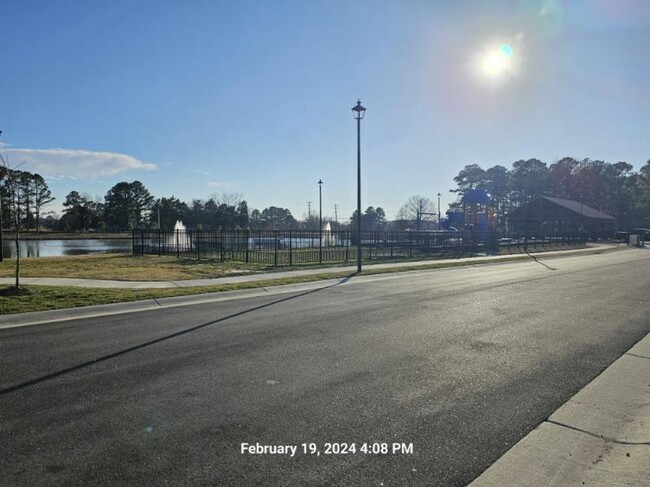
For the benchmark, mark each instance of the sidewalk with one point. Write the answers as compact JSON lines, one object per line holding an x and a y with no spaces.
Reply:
{"x":265,"y":276}
{"x":600,"y":437}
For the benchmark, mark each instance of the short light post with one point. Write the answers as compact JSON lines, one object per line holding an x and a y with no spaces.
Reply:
{"x":359,"y":112}
{"x":320,"y":221}
{"x":438,"y":211}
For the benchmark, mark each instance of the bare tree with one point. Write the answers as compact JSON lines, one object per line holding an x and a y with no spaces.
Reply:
{"x":230,"y":199}
{"x":417,"y":207}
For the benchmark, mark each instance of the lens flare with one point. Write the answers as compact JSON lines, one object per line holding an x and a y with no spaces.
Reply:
{"x":498,"y":61}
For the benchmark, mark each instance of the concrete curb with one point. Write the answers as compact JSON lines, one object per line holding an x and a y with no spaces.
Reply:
{"x":601,"y":436}
{"x":56,"y":315}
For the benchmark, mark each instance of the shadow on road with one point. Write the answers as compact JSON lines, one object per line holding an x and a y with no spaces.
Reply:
{"x":113,"y":355}
{"x":540,"y":263}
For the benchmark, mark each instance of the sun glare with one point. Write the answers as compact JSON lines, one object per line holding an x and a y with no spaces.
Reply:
{"x":497,"y":62}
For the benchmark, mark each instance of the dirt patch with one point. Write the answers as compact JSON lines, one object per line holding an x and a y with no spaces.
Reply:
{"x":12,"y":291}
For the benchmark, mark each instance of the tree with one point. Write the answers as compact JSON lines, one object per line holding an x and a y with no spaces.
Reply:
{"x":127,"y":205}
{"x":225,"y":216}
{"x":373,"y":219}
{"x":25,"y":197}
{"x":255,"y":220}
{"x":561,"y":176}
{"x":417,"y":208}
{"x":644,"y":186}
{"x":81,"y":213}
{"x":241,"y":215}
{"x":141,"y":201}
{"x":497,"y":183}
{"x":471,"y":176}
{"x":529,"y":179}
{"x":170,"y":209}
{"x":42,"y":196}
{"x":274,"y":218}
{"x":12,"y":183}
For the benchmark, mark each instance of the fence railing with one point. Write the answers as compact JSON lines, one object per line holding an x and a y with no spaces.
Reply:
{"x":281,"y":248}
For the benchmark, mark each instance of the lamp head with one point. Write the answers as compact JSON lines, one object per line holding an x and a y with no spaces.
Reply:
{"x":359,"y":110}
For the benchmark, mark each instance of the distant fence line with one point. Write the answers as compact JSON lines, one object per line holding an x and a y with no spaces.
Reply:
{"x":278,"y":247}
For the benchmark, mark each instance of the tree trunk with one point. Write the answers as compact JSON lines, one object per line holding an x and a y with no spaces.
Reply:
{"x":17,"y":260}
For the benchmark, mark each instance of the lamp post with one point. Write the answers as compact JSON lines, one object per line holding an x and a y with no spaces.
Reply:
{"x":359,"y":112}
{"x":438,"y":211}
{"x":320,"y":221}
{"x":2,"y":236}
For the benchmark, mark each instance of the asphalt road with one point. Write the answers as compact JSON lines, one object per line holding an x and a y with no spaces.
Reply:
{"x":460,"y":363}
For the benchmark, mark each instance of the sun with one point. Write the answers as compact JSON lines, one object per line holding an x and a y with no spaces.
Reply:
{"x":497,"y":62}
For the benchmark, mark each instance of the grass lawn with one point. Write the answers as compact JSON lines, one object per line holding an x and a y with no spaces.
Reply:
{"x":124,"y":267}
{"x":43,"y":298}
{"x":127,"y":267}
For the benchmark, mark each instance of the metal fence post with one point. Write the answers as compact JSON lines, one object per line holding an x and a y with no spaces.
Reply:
{"x":221,"y":247}
{"x":347,"y":246}
{"x":247,"y":235}
{"x":142,"y":240}
{"x":290,"y":251}
{"x":275,"y":248}
{"x":178,"y":251}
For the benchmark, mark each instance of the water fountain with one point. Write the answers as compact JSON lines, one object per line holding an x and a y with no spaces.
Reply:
{"x":179,"y":240}
{"x":328,"y":238}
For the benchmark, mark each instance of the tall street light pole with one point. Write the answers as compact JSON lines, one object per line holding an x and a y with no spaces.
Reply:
{"x":359,"y":112}
{"x":320,"y":221}
{"x":2,"y":236}
{"x":438,"y":211}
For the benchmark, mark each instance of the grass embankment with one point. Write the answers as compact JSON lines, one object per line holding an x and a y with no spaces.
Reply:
{"x":153,"y":268}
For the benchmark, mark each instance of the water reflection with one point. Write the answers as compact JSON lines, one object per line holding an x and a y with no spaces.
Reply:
{"x":58,"y":248}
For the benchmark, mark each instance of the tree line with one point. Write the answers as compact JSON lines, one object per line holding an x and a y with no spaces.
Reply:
{"x":613,"y":188}
{"x":23,"y":195}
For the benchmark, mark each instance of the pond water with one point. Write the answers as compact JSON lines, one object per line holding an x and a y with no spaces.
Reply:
{"x":58,"y":248}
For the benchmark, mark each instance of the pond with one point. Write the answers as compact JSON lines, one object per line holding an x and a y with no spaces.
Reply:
{"x":58,"y":248}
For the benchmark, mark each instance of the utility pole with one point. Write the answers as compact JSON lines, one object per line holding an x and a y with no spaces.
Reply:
{"x":308,"y":212}
{"x":336,"y":215}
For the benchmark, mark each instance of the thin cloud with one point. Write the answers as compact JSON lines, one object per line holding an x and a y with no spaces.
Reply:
{"x":59,"y":163}
{"x":218,"y":184}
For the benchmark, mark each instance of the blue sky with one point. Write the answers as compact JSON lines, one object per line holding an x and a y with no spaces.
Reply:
{"x":253,"y":97}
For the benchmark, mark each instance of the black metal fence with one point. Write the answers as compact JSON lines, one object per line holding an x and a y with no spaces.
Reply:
{"x":280,"y":248}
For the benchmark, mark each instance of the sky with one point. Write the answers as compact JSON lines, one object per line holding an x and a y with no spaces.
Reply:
{"x":198,"y":97}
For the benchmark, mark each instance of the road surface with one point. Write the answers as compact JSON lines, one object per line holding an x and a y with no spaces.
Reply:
{"x":453,"y":366}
